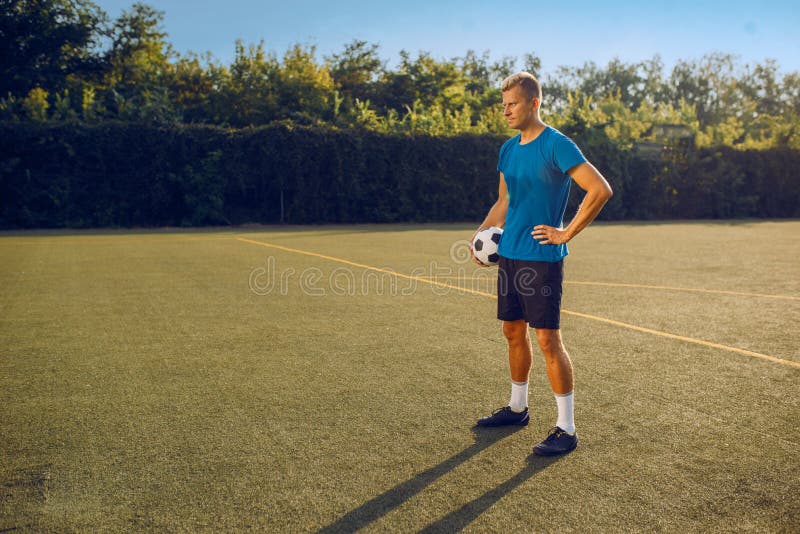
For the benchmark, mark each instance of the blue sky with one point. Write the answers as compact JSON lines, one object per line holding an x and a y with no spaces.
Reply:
{"x":560,"y":33}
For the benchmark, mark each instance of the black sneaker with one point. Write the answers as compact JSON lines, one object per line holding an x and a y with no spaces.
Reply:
{"x":558,"y":442}
{"x":505,"y":416}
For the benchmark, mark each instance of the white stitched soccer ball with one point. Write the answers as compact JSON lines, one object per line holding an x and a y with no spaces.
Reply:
{"x":485,"y":245}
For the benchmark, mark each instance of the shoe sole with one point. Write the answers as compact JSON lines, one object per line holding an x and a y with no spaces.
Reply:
{"x":517,"y":423}
{"x":545,"y":452}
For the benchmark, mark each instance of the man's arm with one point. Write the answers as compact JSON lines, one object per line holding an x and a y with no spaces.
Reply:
{"x":597,"y":194}
{"x":497,"y":213}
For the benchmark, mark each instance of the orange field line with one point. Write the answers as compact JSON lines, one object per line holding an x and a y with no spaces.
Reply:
{"x":646,"y":286}
{"x":427,"y":280}
{"x":692,"y":289}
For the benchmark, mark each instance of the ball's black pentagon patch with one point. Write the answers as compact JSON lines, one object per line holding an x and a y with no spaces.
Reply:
{"x":479,"y":245}
{"x":496,"y":238}
{"x":494,"y":258}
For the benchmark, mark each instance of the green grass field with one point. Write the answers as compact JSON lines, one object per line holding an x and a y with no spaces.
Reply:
{"x":198,"y":381}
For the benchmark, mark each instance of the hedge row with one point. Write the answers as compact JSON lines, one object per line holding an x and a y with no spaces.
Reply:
{"x":124,"y":175}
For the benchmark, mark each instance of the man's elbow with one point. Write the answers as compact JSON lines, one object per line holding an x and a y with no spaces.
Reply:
{"x":603,"y":191}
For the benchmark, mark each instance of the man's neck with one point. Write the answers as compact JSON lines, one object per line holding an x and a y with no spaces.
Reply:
{"x":532,"y":131}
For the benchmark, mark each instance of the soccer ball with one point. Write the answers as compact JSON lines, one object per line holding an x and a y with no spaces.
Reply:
{"x":484,"y":246}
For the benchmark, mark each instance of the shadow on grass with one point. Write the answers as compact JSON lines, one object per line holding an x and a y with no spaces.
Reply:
{"x":394,"y":497}
{"x":459,"y":519}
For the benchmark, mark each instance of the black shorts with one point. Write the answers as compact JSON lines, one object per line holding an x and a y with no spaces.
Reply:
{"x":530,"y":290}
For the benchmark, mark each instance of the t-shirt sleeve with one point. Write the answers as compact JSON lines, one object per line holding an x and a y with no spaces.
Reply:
{"x":567,"y":154}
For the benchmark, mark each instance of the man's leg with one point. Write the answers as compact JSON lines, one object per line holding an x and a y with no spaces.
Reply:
{"x":557,"y":361}
{"x":559,"y":372}
{"x":519,"y":349}
{"x":519,"y":362}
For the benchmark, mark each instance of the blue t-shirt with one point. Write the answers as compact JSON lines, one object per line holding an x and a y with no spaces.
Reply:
{"x":538,"y":189}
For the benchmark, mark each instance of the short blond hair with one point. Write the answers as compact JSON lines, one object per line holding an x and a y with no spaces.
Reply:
{"x":526,"y":80}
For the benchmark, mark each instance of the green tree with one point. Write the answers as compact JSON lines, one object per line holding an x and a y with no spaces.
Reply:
{"x":476,"y":72}
{"x":36,"y":105}
{"x":423,"y":79}
{"x":503,"y":68}
{"x":139,"y":65}
{"x":191,"y":81}
{"x":247,"y":92}
{"x":355,"y":72}
{"x":306,"y":89}
{"x":708,"y":84}
{"x":626,"y":80}
{"x":44,"y":42}
{"x":790,"y":92}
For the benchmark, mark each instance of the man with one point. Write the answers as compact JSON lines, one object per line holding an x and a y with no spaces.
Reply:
{"x":536,"y":168}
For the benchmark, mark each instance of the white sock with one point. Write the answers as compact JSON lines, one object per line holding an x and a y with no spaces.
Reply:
{"x":519,"y":396}
{"x":566,"y":411}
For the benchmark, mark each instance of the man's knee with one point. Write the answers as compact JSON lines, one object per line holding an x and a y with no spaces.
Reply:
{"x":549,"y":341}
{"x":515,"y":331}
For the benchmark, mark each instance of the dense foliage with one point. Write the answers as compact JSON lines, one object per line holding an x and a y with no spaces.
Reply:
{"x":122,"y":174}
{"x":65,"y":60}
{"x":103,"y":124}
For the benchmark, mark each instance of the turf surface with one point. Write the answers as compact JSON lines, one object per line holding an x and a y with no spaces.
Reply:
{"x":193,"y":381}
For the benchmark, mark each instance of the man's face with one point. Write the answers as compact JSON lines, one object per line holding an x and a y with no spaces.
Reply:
{"x":518,"y":110}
